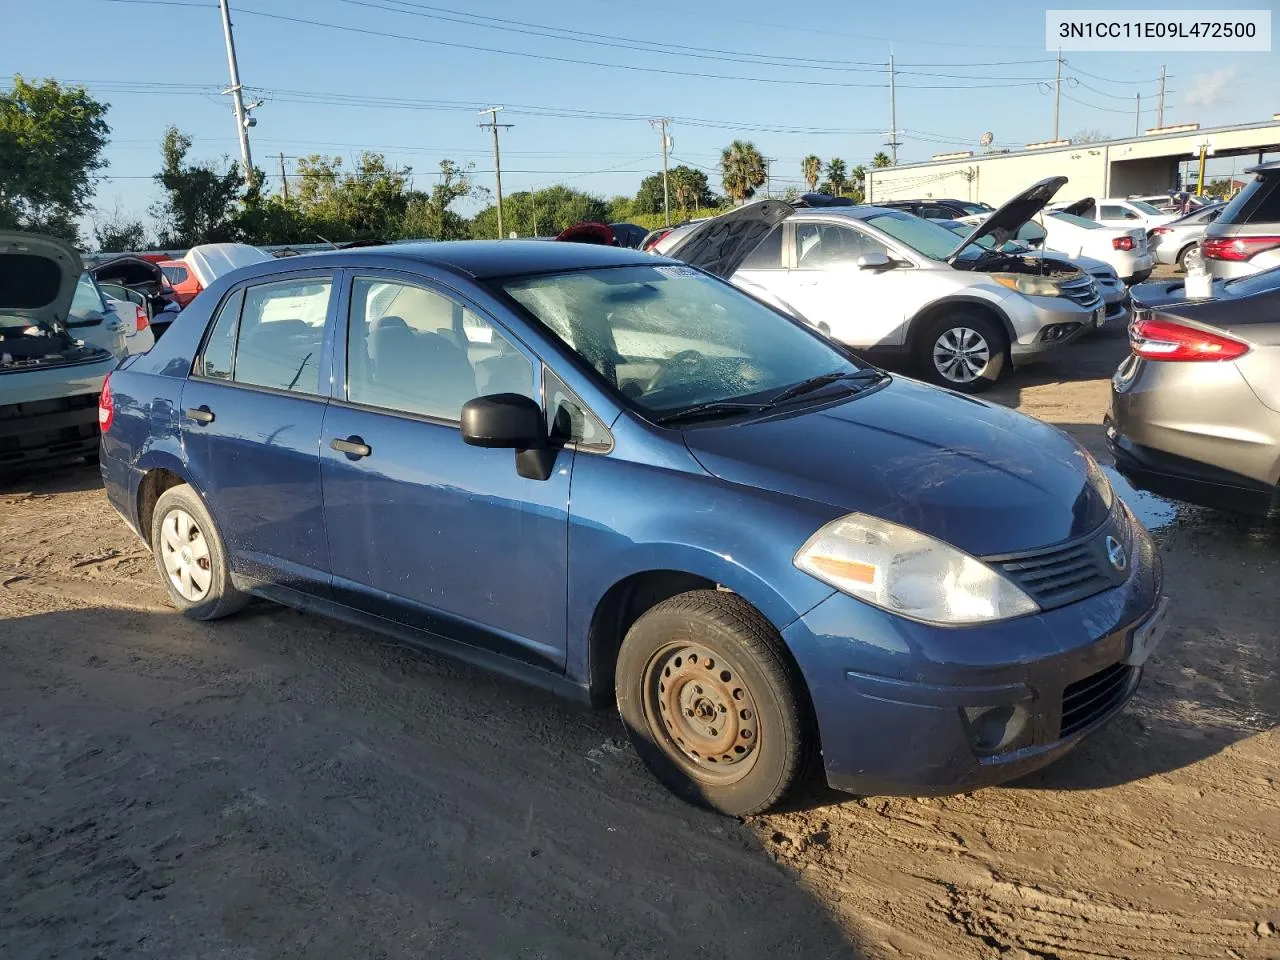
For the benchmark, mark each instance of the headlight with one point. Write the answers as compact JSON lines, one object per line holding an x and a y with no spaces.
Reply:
{"x":1031,"y":286}
{"x":1098,"y":480}
{"x":906,"y":572}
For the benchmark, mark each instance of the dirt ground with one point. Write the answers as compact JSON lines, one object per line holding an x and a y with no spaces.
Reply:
{"x":279,"y":785}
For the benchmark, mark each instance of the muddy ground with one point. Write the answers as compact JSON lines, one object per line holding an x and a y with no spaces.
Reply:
{"x":279,"y":785}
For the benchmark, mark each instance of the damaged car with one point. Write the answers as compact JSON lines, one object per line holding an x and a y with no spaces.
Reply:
{"x":49,"y":376}
{"x":886,"y":282}
{"x":142,"y":282}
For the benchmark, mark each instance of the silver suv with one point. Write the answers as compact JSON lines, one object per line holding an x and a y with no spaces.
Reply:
{"x":1246,"y":236}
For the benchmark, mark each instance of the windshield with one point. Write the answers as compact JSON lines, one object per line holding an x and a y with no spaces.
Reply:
{"x":986,"y":242}
{"x":973,"y":208}
{"x":1146,"y":208}
{"x":1078,"y":221}
{"x":669,"y":338}
{"x":923,"y":236}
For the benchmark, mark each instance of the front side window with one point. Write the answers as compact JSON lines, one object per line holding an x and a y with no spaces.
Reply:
{"x":282,"y":335}
{"x":413,"y":350}
{"x":820,"y":245}
{"x":669,"y":337}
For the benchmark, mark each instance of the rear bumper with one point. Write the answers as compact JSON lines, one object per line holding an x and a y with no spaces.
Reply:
{"x":40,"y":431}
{"x":896,"y":720}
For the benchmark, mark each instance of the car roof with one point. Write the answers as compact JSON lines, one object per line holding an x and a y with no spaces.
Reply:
{"x":861,"y":212}
{"x":479,"y":259}
{"x":1264,"y":167}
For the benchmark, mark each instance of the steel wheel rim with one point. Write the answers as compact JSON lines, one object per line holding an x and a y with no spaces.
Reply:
{"x":961,"y":354}
{"x":700,"y":708}
{"x":184,"y":551}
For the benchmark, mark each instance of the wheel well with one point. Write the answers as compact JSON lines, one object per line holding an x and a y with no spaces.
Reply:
{"x":153,"y":484}
{"x":935,"y":310}
{"x":624,"y":603}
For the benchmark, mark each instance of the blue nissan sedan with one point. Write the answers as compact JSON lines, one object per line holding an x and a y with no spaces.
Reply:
{"x":623,"y":478}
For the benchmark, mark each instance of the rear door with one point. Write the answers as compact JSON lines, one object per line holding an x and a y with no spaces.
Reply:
{"x":252,"y":412}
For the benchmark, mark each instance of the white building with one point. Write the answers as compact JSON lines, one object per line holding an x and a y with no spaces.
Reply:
{"x":1110,"y":168}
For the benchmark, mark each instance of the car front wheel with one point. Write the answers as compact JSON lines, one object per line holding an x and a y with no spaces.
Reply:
{"x":964,"y":351}
{"x":713,"y":704}
{"x":191,"y":558}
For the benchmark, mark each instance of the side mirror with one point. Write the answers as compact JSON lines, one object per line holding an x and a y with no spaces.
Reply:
{"x":874,"y":261}
{"x":513,"y":422}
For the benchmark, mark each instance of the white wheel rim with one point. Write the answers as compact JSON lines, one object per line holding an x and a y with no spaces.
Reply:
{"x":961,"y":354}
{"x":185,"y":554}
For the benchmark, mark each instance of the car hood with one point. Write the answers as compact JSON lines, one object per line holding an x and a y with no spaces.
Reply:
{"x":1014,"y":213}
{"x":38,"y":277}
{"x":211,"y":260}
{"x":721,"y":244}
{"x":975,"y":475}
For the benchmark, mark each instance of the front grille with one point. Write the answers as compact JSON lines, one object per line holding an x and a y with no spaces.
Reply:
{"x":1065,"y":573}
{"x":1092,"y":698}
{"x":1083,"y":291}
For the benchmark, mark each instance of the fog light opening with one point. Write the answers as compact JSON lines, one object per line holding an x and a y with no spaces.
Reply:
{"x":998,"y":729}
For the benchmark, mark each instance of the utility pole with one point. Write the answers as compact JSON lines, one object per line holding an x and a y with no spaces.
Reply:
{"x":284,"y":181}
{"x":768,"y":177}
{"x":893,"y":113}
{"x":1137,"y":116}
{"x":493,"y":125}
{"x":243,"y":120}
{"x":1160,"y":109}
{"x":661,"y":123}
{"x":1057,"y":94}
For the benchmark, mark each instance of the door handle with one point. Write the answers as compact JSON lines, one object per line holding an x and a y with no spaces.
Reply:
{"x":354,"y":447}
{"x":200,"y":414}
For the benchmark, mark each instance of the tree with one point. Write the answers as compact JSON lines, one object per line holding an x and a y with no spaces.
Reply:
{"x":836,"y":176}
{"x":428,"y":214}
{"x":741,"y":170}
{"x":51,"y":142}
{"x":881,"y":159}
{"x":1089,"y":136}
{"x":118,"y":233}
{"x":688,"y":188}
{"x":540,"y":213}
{"x":200,"y":203}
{"x":1220,"y":187}
{"x":811,"y":168}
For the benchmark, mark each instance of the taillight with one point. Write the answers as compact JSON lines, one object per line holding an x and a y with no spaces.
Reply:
{"x":1236,"y":248}
{"x":656,"y":240}
{"x":1160,"y":230}
{"x":141,"y":316}
{"x":1122,"y":243}
{"x":1165,"y":339}
{"x":106,"y":409}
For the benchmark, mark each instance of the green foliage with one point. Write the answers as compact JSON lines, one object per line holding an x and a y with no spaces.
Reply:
{"x":688,"y":189}
{"x":541,"y":213}
{"x":118,"y":233}
{"x":200,"y":203}
{"x":621,"y":209}
{"x":1220,"y":187}
{"x":51,"y":142}
{"x":837,"y":176}
{"x":881,"y":159}
{"x":428,"y":215}
{"x":811,"y":170}
{"x":741,"y":170}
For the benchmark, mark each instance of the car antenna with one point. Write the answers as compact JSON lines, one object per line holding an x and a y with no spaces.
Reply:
{"x":329,"y":242}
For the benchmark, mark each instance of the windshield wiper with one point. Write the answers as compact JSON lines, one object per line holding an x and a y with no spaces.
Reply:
{"x":822,"y":380}
{"x":710,"y":409}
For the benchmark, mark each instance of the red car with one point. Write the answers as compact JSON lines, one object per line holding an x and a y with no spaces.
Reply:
{"x":184,"y":281}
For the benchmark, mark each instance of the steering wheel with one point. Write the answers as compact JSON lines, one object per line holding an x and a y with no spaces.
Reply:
{"x":683,"y":364}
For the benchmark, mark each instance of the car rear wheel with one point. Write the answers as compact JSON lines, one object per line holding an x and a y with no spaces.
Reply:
{"x":713,"y":704}
{"x":965,"y":351}
{"x":191,"y":558}
{"x":1185,"y":253}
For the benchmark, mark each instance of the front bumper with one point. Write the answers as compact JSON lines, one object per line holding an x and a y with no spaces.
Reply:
{"x":1046,"y":324}
{"x":891,"y":694}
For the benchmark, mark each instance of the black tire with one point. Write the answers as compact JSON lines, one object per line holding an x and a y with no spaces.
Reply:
{"x":752,"y":735}
{"x":991,"y":346}
{"x":220,"y":598}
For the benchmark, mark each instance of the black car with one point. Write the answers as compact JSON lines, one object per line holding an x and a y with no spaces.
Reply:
{"x":932,"y":209}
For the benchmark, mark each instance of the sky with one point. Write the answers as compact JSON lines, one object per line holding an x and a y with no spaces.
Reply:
{"x":406,"y":78}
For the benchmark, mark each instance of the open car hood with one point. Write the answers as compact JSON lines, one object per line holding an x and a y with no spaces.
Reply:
{"x":38,"y":277}
{"x":1014,"y":213}
{"x":721,"y":245}
{"x":211,"y":260}
{"x":128,"y":271}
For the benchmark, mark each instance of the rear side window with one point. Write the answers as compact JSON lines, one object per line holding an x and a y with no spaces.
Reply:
{"x":282,"y":334}
{"x":218,"y":357}
{"x":767,"y":256}
{"x":1108,"y":212}
{"x":1258,"y":202}
{"x":175,"y":274}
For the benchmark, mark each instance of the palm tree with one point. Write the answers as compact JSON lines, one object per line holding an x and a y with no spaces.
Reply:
{"x":858,"y":183}
{"x":741,"y":170}
{"x":881,"y":159}
{"x":811,"y":167}
{"x":836,"y":175}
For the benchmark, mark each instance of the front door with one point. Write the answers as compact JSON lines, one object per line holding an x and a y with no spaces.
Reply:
{"x":861,"y":308}
{"x":251,"y":418}
{"x":423,"y":528}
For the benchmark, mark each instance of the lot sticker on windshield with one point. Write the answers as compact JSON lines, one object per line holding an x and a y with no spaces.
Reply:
{"x":676,"y":272}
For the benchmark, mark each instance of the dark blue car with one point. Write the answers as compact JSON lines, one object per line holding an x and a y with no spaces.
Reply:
{"x":623,"y":478}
